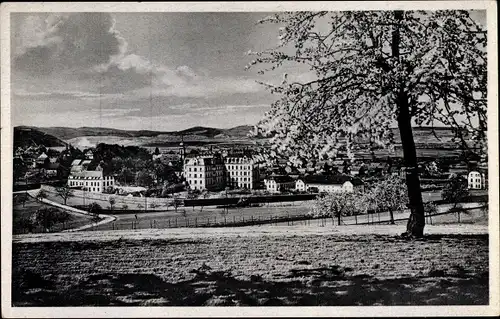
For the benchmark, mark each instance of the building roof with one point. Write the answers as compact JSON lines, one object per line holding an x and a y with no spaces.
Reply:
{"x":479,"y":170}
{"x":204,"y":160}
{"x":76,"y":162}
{"x":87,"y":175}
{"x":42,"y":156}
{"x":330,"y":179}
{"x":280,"y":178}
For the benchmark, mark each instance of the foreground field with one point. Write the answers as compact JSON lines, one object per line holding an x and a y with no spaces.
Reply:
{"x":351,"y":265}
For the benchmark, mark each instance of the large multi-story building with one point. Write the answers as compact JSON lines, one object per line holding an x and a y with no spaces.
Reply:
{"x":92,"y":181}
{"x":204,"y":172}
{"x":213,"y":172}
{"x":241,"y":171}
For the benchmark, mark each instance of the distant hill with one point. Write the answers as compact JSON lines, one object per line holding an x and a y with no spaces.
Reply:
{"x":29,"y":136}
{"x":422,"y":135}
{"x":239,"y":131}
{"x":200,"y":130}
{"x":67,"y":133}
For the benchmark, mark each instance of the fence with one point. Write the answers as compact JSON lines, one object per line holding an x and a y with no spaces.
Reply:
{"x":152,"y":202}
{"x":247,"y":200}
{"x":215,"y":221}
{"x":283,"y":220}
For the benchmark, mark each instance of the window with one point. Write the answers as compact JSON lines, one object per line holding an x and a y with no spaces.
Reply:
{"x":194,"y":169}
{"x":195,"y":181}
{"x":190,"y":169}
{"x":195,"y":175}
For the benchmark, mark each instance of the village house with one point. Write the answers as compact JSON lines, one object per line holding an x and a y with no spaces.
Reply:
{"x":52,"y":170}
{"x":53,"y":159}
{"x":329,"y":183}
{"x":92,"y":181}
{"x":279,"y":183}
{"x":89,"y":154}
{"x":477,"y":179}
{"x":41,"y":160}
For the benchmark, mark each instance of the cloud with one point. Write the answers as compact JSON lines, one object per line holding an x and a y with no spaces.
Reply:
{"x":80,"y":63}
{"x":68,"y":42}
{"x":62,"y":95}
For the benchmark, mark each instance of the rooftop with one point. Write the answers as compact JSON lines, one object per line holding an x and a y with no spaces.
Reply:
{"x":87,"y":175}
{"x":280,"y":178}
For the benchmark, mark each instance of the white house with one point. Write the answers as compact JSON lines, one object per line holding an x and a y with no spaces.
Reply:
{"x":89,"y":155}
{"x":92,"y":181}
{"x":476,"y":180}
{"x":279,"y":183}
{"x":204,"y":172}
{"x":241,"y":171}
{"x":328,"y":184}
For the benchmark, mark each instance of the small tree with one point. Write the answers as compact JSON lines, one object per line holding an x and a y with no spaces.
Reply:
{"x":95,"y":210}
{"x":455,"y":190}
{"x":23,"y":224}
{"x":430,"y":210}
{"x":46,"y":218}
{"x":391,"y":194}
{"x":366,"y":201}
{"x":41,"y":195}
{"x":112,"y":202}
{"x":176,"y":202}
{"x":336,"y":205}
{"x":124,"y":206}
{"x":64,"y":192}
{"x":204,"y":195}
{"x":62,"y":217}
{"x":153,"y":205}
{"x":144,"y":178}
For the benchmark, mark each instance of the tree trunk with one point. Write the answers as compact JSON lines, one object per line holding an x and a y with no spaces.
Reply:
{"x":392,"y":216}
{"x":338,"y":219}
{"x":416,"y":222}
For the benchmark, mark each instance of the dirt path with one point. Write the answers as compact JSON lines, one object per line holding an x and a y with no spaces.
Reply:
{"x":250,"y":231}
{"x":104,"y":218}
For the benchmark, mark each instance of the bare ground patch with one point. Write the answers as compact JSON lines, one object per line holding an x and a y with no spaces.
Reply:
{"x":327,"y":269}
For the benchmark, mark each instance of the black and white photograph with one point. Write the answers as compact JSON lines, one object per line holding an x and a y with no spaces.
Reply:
{"x":233,"y":156}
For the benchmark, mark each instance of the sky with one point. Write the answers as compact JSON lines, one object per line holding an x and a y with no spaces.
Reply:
{"x":155,"y":71}
{"x":160,"y":71}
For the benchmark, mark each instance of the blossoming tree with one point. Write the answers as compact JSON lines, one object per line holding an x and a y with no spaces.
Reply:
{"x":372,"y":71}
